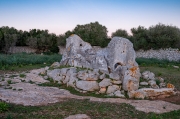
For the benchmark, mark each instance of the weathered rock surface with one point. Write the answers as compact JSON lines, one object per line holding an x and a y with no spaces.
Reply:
{"x":87,"y":85}
{"x":152,"y":93}
{"x":117,"y":59}
{"x":105,"y":82}
{"x":55,"y":65}
{"x":148,"y":75}
{"x":112,"y":89}
{"x":78,"y":116}
{"x":31,"y":94}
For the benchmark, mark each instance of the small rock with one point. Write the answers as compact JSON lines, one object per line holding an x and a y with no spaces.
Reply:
{"x":87,"y":85}
{"x":118,"y":94}
{"x":160,"y":79}
{"x":55,"y":65}
{"x":112,"y":89}
{"x":105,"y":82}
{"x":78,"y":116}
{"x":114,"y":76}
{"x":148,"y":75}
{"x":144,"y":83}
{"x":102,"y":76}
{"x":162,"y":85}
{"x":102,"y":90}
{"x":137,"y":94}
{"x":170,"y":86}
{"x":177,"y":67}
{"x":152,"y":82}
{"x":116,"y":82}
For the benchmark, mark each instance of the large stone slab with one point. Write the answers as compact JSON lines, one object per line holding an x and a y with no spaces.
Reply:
{"x":152,"y":93}
{"x":116,"y":59}
{"x":87,"y":85}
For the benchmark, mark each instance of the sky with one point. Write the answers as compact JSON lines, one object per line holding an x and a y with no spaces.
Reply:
{"x":59,"y":16}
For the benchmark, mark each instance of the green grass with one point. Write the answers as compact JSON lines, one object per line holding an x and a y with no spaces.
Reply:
{"x":155,"y":62}
{"x":95,"y":110}
{"x":22,"y":59}
{"x":170,"y":74}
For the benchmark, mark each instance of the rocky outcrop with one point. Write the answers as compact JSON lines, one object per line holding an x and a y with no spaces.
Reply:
{"x":117,"y":59}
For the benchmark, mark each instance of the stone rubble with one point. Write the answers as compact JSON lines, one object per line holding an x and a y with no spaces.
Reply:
{"x":117,"y":60}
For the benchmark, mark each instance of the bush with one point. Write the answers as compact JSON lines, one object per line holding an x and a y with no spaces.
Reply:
{"x":156,"y":37}
{"x":163,"y":36}
{"x":120,"y":33}
{"x":3,"y":107}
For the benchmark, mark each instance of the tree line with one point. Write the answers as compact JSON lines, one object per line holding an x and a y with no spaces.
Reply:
{"x":155,"y":37}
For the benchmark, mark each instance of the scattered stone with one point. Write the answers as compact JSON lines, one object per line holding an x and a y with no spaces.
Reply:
{"x":82,"y":75}
{"x":162,"y":85}
{"x":78,"y":116}
{"x":102,"y":90}
{"x":38,"y":71}
{"x":54,"y":73}
{"x":148,"y":75}
{"x":116,"y":82}
{"x":138,"y":94}
{"x":177,"y":67}
{"x":170,"y":86}
{"x":118,"y":94}
{"x":160,"y":79}
{"x":35,"y":78}
{"x":114,"y":76}
{"x":152,"y":93}
{"x":117,"y":58}
{"x":87,"y":85}
{"x":112,"y":89}
{"x":55,"y":65}
{"x":102,"y":76}
{"x":144,"y":83}
{"x":105,"y":82}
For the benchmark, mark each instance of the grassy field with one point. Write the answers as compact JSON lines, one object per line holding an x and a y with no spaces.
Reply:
{"x":95,"y":110}
{"x":8,"y":62}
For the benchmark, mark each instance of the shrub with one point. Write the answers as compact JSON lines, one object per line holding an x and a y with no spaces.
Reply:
{"x":120,"y":33}
{"x":3,"y":106}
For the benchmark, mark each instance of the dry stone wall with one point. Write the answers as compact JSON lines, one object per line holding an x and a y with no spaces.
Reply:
{"x":21,"y":49}
{"x":169,"y":53}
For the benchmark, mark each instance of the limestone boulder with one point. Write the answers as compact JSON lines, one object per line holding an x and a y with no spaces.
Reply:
{"x":82,"y":75}
{"x":148,"y":75}
{"x":152,"y":93}
{"x":144,"y":83}
{"x":112,"y":89}
{"x":55,"y":65}
{"x":72,"y":81}
{"x":118,"y":94}
{"x":35,"y":78}
{"x":116,"y":59}
{"x":54,"y":73}
{"x":78,"y":116}
{"x":102,"y":90}
{"x":105,"y":82}
{"x":87,"y":85}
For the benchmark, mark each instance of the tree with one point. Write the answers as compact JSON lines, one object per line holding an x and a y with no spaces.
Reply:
{"x":140,"y":38}
{"x":120,"y":33}
{"x":94,"y":33}
{"x":163,"y":36}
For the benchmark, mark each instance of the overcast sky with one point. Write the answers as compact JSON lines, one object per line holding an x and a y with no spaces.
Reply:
{"x":59,"y":16}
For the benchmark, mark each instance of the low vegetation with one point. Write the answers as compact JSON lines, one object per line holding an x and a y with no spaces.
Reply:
{"x":8,"y":62}
{"x":155,"y":37}
{"x":95,"y":110}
